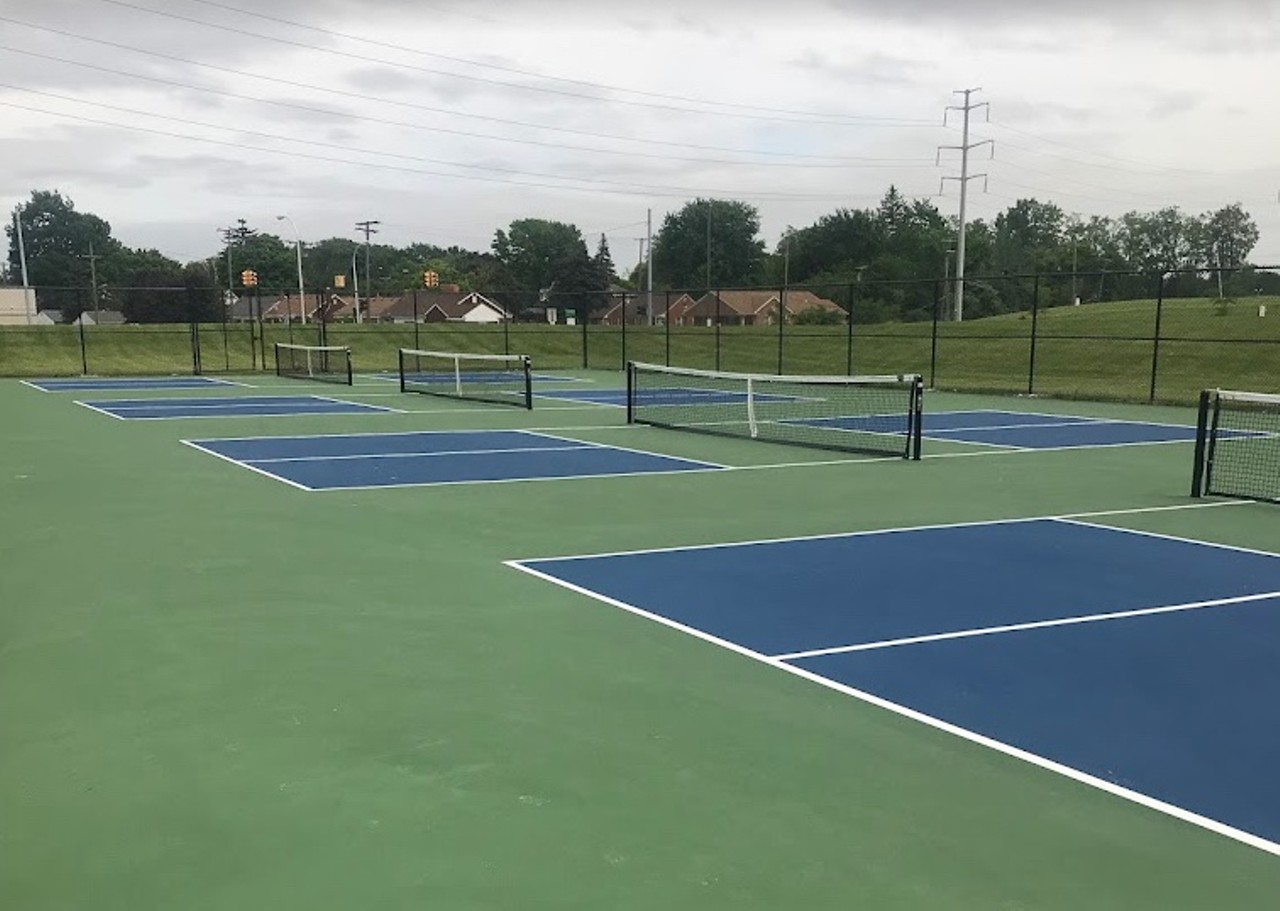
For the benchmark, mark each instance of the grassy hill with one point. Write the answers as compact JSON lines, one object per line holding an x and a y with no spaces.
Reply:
{"x":1101,"y":351}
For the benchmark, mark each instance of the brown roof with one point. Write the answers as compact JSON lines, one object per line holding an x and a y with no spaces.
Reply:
{"x":759,"y":303}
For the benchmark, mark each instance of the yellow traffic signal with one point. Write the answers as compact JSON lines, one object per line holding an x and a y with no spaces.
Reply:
{"x":431,"y":279}
{"x":249,"y":278}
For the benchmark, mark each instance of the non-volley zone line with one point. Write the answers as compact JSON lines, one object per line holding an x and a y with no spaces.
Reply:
{"x":1138,"y":663}
{"x":105,"y":383}
{"x":434,"y":458}
{"x":230,"y":406}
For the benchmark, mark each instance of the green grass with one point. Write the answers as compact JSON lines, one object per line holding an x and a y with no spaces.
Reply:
{"x":1095,"y":351}
{"x":219,"y":692}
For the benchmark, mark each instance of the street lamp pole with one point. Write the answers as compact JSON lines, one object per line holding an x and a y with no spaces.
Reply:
{"x":302,"y":294}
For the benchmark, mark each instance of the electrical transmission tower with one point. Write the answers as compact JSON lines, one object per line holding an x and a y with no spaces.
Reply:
{"x":964,"y":179}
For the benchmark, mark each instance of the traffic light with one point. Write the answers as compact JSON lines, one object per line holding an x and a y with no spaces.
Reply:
{"x":249,"y":278}
{"x":431,"y":279}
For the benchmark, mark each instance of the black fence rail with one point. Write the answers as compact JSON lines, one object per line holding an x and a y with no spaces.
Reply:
{"x":1127,"y":336}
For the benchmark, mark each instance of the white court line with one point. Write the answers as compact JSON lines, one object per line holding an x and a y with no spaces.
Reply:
{"x":1076,"y":520}
{"x":266,"y":474}
{"x":34,"y":386}
{"x":658,"y":455}
{"x":540,"y":478}
{"x":329,"y":398}
{"x":1043,"y":762}
{"x":903,"y":529}
{"x":364,"y":412}
{"x":109,"y":414}
{"x":414,"y":455}
{"x":1032,"y":624}
{"x":390,"y":433}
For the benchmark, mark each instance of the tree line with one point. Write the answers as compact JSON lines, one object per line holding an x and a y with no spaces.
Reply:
{"x":892,"y":255}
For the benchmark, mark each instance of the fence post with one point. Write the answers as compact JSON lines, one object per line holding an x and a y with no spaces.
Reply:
{"x":417,"y":339}
{"x":84,"y":350}
{"x":624,"y":330}
{"x":1035,"y":319}
{"x":506,"y":334}
{"x":195,"y":332}
{"x":849,"y":340}
{"x":933,"y":341}
{"x":586,"y":318}
{"x":1155,"y":342}
{"x":667,"y":320}
{"x":782,"y":321}
{"x":717,"y":330}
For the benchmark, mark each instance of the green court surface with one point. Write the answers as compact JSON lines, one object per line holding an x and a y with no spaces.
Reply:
{"x":221,"y":692}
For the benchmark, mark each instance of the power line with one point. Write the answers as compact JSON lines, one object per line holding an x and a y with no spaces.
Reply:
{"x":403,"y":104}
{"x":498,"y":82}
{"x":529,"y":73}
{"x":624,"y":190}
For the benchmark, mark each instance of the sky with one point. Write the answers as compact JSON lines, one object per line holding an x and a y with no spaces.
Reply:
{"x":446,"y":120}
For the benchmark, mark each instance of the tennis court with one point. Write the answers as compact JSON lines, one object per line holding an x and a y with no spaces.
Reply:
{"x":471,"y":655}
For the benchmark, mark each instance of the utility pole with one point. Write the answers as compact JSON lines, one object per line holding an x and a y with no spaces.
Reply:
{"x":640,"y":278}
{"x":22,"y":247}
{"x":93,"y":279}
{"x":708,"y":246}
{"x":648,"y":235}
{"x":964,"y":179}
{"x":237,"y":234}
{"x":369,"y":228}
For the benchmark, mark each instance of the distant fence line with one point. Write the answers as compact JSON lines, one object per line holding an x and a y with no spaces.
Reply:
{"x":1168,"y":339}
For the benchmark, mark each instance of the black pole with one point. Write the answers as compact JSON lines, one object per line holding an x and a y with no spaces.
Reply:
{"x":417,"y":341}
{"x":586,"y":314}
{"x":506,"y":333}
{"x":667,"y":320}
{"x":1035,"y":320}
{"x":1155,"y":343}
{"x":84,"y":350}
{"x":849,"y":341}
{"x":782,"y":319}
{"x":1202,"y":427}
{"x":226,"y":339}
{"x":717,"y":329}
{"x":933,"y":342}
{"x":624,"y":330}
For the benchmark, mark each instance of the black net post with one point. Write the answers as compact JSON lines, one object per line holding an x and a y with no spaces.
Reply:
{"x":849,"y":334}
{"x":1035,"y":319}
{"x":1202,"y":434}
{"x":1155,"y":341}
{"x":631,"y":393}
{"x":527,"y":364}
{"x":916,"y":434}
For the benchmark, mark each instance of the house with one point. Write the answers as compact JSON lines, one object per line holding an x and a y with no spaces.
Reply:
{"x":636,"y":307}
{"x":440,"y":306}
{"x":753,"y":308}
{"x":99,"y":318}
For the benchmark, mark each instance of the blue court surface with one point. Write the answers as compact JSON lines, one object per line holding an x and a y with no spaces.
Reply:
{"x":1146,"y":665}
{"x":425,"y":458}
{"x":90,"y":384}
{"x":1026,"y":430}
{"x":225,"y":407}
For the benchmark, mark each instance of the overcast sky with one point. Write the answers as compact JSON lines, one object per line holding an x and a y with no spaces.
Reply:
{"x":447,"y":120}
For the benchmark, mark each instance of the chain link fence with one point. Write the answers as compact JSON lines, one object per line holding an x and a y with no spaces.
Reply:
{"x":1133,"y":336}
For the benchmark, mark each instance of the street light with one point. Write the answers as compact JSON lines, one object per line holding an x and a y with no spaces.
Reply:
{"x":302,"y":294}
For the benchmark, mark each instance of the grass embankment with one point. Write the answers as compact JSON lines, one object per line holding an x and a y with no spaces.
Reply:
{"x":1091,"y":351}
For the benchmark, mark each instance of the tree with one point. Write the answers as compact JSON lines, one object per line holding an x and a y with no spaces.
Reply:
{"x":538,"y":256}
{"x":1229,"y":236}
{"x":57,"y":238}
{"x":680,"y":248}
